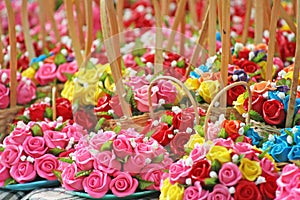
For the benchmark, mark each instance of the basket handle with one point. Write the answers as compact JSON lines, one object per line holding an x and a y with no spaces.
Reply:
{"x":1,"y":44}
{"x":72,"y":32}
{"x":111,"y":41}
{"x":158,"y":59}
{"x":187,"y":92}
{"x":13,"y":54}
{"x":89,"y":18}
{"x":292,"y":100}
{"x":225,"y":89}
{"x":26,"y":30}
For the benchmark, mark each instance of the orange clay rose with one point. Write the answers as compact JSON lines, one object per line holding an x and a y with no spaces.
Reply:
{"x":262,"y":87}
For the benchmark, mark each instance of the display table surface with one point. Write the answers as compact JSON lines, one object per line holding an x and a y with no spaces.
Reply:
{"x":48,"y":194}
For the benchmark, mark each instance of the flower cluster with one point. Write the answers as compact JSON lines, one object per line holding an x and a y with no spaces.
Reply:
{"x":288,"y":183}
{"x":42,"y":111}
{"x":225,"y":170}
{"x":173,"y":129}
{"x":32,"y":151}
{"x":269,"y":103}
{"x":117,"y":162}
{"x":26,"y":89}
{"x":58,"y":65}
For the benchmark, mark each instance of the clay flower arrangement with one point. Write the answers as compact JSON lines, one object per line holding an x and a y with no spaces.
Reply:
{"x":288,"y":183}
{"x":249,"y":64}
{"x":26,"y":89}
{"x":269,"y":102}
{"x":56,"y":66}
{"x":32,"y":152}
{"x":119,"y":162}
{"x":224,"y":170}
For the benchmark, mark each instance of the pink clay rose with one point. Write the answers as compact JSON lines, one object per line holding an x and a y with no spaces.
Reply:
{"x":96,"y":184}
{"x":17,"y":136}
{"x":166,"y":91}
{"x":141,"y":97}
{"x":153,"y":172}
{"x":56,"y":139}
{"x":137,"y":81}
{"x":212,"y":131}
{"x":70,"y":182}
{"x":100,"y":138}
{"x":288,"y":173}
{"x":84,"y":159}
{"x":66,"y":68}
{"x":46,"y":73}
{"x":35,"y":146}
{"x":4,"y":96}
{"x":229,"y":174}
{"x":198,"y":153}
{"x":11,"y":155}
{"x":4,"y":171}
{"x":123,"y":185}
{"x":134,"y":164}
{"x":220,"y":192}
{"x":122,"y":146}
{"x":178,"y":172}
{"x":26,"y":91}
{"x":195,"y":192}
{"x":23,"y":172}
{"x":106,"y":161}
{"x":76,"y":131}
{"x":45,"y":165}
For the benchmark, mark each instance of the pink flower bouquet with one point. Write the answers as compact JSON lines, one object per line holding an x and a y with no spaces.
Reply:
{"x":120,"y":163}
{"x":32,"y":152}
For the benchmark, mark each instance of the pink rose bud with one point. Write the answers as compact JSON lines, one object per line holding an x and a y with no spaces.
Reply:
{"x":23,"y":172}
{"x":11,"y":155}
{"x":70,"y":182}
{"x":123,"y":185}
{"x":97,"y":184}
{"x":35,"y":146}
{"x":45,"y":165}
{"x":66,"y":68}
{"x":46,"y":73}
{"x":84,"y":159}
{"x":26,"y":91}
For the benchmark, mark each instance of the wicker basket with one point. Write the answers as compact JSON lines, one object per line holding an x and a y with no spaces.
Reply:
{"x":7,"y":115}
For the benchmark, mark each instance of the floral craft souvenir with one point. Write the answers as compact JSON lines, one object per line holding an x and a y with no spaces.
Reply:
{"x":225,"y":170}
{"x":120,"y":163}
{"x":32,"y":152}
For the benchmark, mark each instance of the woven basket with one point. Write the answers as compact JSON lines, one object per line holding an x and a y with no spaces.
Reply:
{"x":7,"y":115}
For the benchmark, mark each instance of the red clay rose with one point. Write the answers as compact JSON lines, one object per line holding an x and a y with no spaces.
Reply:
{"x":103,"y":106}
{"x":200,"y":171}
{"x":244,"y":53}
{"x":85,"y":118}
{"x":247,"y":190}
{"x":273,"y":112}
{"x":232,"y":128}
{"x":183,"y":120}
{"x":64,"y":108}
{"x":162,"y":132}
{"x":257,"y":103}
{"x":233,"y":94}
{"x":36,"y":111}
{"x":178,"y":142}
{"x":268,"y":189}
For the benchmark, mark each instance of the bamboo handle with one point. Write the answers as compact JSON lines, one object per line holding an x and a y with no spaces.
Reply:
{"x":288,"y":19}
{"x":247,"y":22}
{"x":42,"y":18}
{"x":13,"y":54}
{"x":212,"y":27}
{"x":54,"y":92}
{"x":89,"y":18}
{"x":158,"y":59}
{"x":259,"y":14}
{"x":193,"y":12}
{"x":200,"y":43}
{"x":165,"y":7}
{"x":219,"y":94}
{"x":178,"y":16}
{"x":72,"y":32}
{"x":50,"y":10}
{"x":292,"y":101}
{"x":26,"y":31}
{"x":187,"y":92}
{"x":182,"y":35}
{"x":120,"y":11}
{"x":267,"y":14}
{"x":272,"y":40}
{"x":80,"y":21}
{"x":225,"y":46}
{"x":220,"y":14}
{"x":1,"y":44}
{"x":111,"y":42}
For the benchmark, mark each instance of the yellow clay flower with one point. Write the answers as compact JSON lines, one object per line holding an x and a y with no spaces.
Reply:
{"x":239,"y":104}
{"x":222,"y":154}
{"x":192,"y":84}
{"x":29,"y":73}
{"x":250,"y":169}
{"x":263,"y":66}
{"x":68,"y":91}
{"x":208,"y":89}
{"x":171,"y":192}
{"x":194,"y":139}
